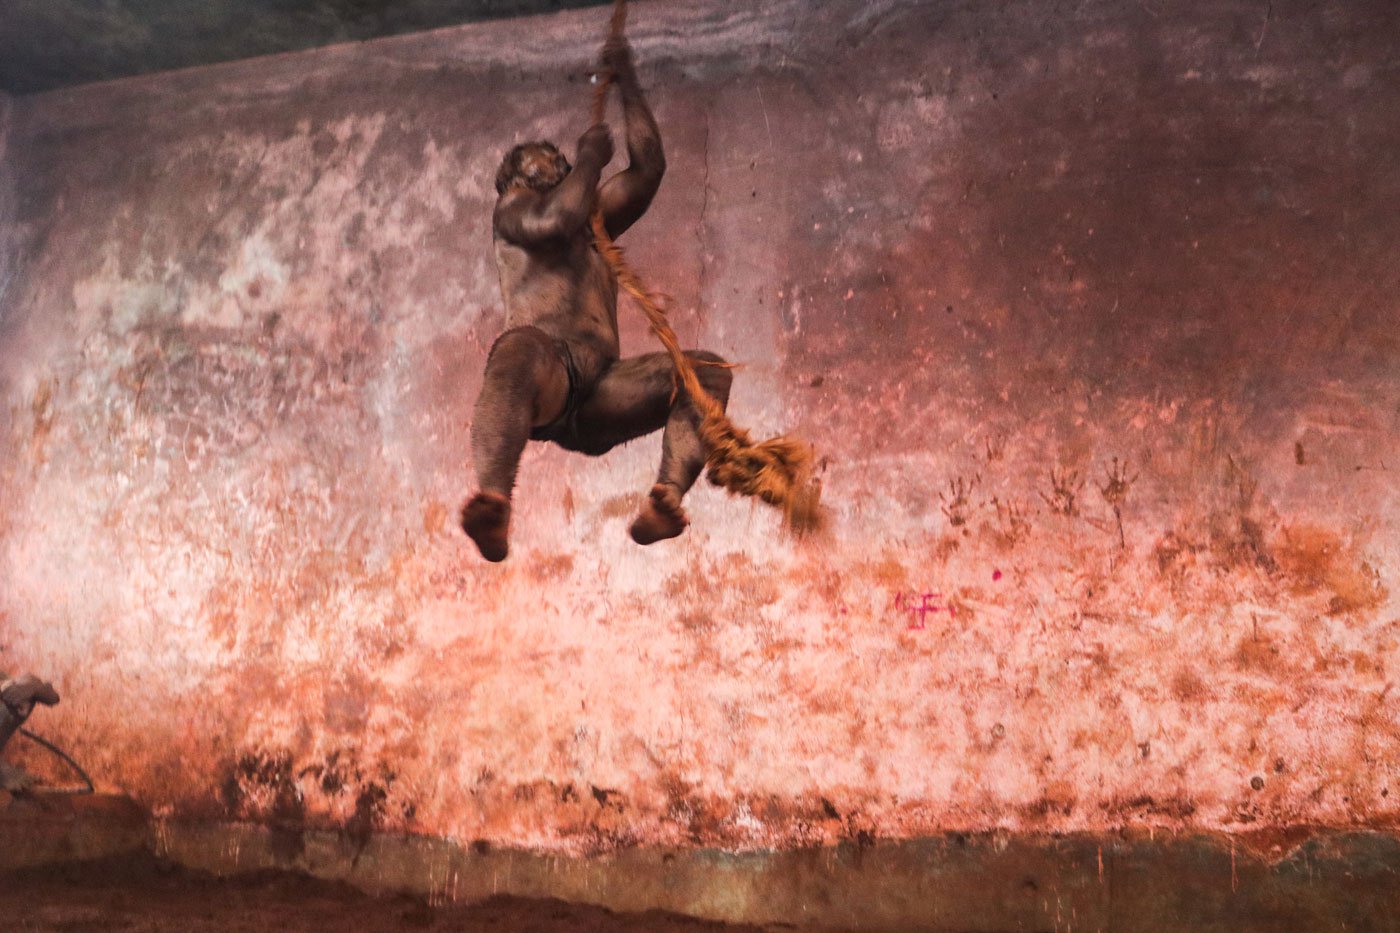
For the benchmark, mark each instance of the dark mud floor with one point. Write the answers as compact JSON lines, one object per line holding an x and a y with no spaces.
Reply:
{"x":145,"y":895}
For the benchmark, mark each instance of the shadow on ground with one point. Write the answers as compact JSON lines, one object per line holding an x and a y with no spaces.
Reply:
{"x":146,"y":894}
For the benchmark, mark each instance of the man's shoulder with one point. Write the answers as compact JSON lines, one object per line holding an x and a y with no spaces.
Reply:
{"x":514,"y":201}
{"x":511,"y":221}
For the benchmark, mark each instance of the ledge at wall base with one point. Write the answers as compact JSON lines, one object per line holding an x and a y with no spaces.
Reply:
{"x":42,"y":829}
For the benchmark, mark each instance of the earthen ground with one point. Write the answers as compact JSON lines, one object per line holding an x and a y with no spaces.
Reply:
{"x":149,"y":895}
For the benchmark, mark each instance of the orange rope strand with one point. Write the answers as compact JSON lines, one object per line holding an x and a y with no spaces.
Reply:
{"x":778,"y":470}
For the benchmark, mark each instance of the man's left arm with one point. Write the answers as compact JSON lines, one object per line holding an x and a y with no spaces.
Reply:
{"x":627,"y":195}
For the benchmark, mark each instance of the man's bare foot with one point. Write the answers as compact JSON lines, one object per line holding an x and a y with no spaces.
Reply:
{"x":661,"y":517}
{"x":485,"y":519}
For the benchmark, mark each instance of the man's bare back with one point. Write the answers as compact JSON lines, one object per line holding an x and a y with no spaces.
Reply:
{"x":555,"y":374}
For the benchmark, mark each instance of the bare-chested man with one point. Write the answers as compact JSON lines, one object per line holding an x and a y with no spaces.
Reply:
{"x":555,"y":374}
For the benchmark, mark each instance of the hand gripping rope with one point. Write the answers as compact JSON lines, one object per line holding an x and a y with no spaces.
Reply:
{"x":778,"y":470}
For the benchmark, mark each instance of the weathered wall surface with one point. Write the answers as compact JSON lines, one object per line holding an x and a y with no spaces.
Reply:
{"x":1091,"y":311}
{"x":7,"y":206}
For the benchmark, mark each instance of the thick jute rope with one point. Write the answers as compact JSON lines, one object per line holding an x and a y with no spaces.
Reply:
{"x":778,"y":470}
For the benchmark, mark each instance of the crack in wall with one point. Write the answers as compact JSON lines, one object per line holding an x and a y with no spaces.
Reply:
{"x":702,"y":231}
{"x":9,"y":259}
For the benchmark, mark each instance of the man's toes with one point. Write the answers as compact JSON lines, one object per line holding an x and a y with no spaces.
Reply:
{"x":667,"y":498}
{"x":486,"y":519}
{"x":661,"y":517}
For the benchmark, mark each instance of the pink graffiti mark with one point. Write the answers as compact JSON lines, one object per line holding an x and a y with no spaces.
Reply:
{"x":919,"y":606}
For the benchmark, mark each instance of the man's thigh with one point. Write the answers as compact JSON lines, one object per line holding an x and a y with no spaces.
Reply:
{"x":631,"y":399}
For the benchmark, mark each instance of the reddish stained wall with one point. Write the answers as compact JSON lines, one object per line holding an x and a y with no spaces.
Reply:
{"x":8,"y":248}
{"x":973,"y":253}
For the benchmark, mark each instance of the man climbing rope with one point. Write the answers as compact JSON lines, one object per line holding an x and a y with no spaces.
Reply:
{"x":555,"y":373}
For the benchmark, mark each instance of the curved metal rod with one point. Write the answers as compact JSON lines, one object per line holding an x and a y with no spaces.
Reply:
{"x":77,"y":768}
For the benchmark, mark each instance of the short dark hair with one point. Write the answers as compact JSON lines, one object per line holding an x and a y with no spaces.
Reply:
{"x":510,"y":165}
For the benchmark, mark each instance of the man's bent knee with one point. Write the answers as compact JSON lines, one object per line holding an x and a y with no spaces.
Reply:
{"x":525,"y":363}
{"x":521,"y":349}
{"x":714,"y":373}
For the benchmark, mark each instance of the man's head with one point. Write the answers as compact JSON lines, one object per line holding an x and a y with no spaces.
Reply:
{"x":538,"y":165}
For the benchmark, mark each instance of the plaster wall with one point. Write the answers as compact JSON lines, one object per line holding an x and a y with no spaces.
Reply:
{"x":7,"y":202}
{"x":1090,"y":313}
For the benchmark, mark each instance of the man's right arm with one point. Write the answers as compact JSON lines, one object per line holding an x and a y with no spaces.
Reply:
{"x":628,"y":194}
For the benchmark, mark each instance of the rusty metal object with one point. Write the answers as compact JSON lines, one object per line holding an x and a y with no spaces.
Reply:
{"x":18,"y":697}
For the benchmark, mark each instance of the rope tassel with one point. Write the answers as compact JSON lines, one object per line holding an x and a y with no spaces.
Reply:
{"x":779,"y":471}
